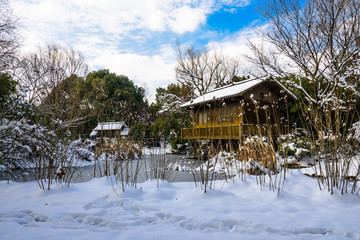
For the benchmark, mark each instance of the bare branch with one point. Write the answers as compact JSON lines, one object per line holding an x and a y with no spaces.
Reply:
{"x":40,"y":72}
{"x":204,"y":70}
{"x":9,"y":40}
{"x":320,"y":38}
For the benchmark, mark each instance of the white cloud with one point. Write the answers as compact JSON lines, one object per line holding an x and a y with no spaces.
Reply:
{"x":231,"y":5}
{"x":187,"y":19}
{"x":237,"y":46}
{"x":99,"y":29}
{"x":55,"y":17}
{"x":149,"y":72}
{"x":111,"y":16}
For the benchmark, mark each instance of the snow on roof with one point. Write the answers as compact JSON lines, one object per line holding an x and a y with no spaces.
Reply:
{"x":107,"y":126}
{"x":224,"y":92}
{"x":93,"y":133}
{"x":234,"y":89}
{"x":110,"y":126}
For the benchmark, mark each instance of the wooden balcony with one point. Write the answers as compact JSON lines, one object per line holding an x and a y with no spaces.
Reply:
{"x":231,"y":131}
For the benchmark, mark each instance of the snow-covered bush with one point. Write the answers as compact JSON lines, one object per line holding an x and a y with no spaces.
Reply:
{"x":83,"y":149}
{"x":23,"y":144}
{"x":223,"y":163}
{"x":297,"y":145}
{"x":355,"y":132}
{"x":255,"y":156}
{"x":14,"y":106}
{"x":126,"y":150}
{"x":260,"y":151}
{"x":230,"y":164}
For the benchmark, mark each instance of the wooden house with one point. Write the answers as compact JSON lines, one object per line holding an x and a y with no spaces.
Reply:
{"x":249,"y":107}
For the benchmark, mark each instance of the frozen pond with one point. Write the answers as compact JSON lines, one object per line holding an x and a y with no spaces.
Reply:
{"x":171,"y":167}
{"x":174,"y":167}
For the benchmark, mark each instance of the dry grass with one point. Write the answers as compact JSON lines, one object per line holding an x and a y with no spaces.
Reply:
{"x":259,"y":152}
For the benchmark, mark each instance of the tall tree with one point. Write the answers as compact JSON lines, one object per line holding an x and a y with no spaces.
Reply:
{"x":9,"y":41}
{"x":204,"y":70}
{"x":113,"y":97}
{"x":169,"y":99}
{"x":64,"y":105}
{"x":320,"y":41}
{"x":168,"y":117}
{"x":42,"y":71}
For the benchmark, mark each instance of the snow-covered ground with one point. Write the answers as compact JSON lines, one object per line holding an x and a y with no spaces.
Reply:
{"x":234,"y":210}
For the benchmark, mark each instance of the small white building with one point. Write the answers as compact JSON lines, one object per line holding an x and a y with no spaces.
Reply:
{"x":110,"y":130}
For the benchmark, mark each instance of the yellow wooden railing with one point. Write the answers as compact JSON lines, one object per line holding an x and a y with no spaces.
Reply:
{"x":231,"y":131}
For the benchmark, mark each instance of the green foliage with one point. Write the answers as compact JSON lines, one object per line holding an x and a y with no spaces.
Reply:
{"x":8,"y":87}
{"x":305,"y":90}
{"x":293,"y":83}
{"x":139,"y":131}
{"x":170,"y":98}
{"x":239,"y":79}
{"x":75,"y":105}
{"x":178,"y":144}
{"x":168,"y":117}
{"x":64,"y":99}
{"x":112,"y":97}
{"x":181,"y":91}
{"x":7,"y":90}
{"x":166,"y":127}
{"x":12,"y":104}
{"x":64,"y":110}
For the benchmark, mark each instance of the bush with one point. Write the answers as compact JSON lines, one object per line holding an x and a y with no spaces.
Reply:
{"x":22,"y":144}
{"x":178,"y":145}
{"x":298,"y":144}
{"x":32,"y":146}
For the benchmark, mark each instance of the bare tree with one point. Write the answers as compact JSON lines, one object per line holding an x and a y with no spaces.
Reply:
{"x":42,"y":71}
{"x":9,"y":42}
{"x":319,"y":39}
{"x":204,"y":70}
{"x":50,"y":76}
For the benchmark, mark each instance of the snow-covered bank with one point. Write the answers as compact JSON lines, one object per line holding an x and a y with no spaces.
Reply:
{"x":237,"y":210}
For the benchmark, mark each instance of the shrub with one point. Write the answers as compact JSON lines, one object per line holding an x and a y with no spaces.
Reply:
{"x":178,"y":145}
{"x":298,"y":145}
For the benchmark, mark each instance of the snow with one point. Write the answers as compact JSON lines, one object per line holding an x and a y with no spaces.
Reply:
{"x":234,"y":210}
{"x":105,"y":126}
{"x":227,"y":91}
{"x":355,"y":131}
{"x":164,"y":149}
{"x":234,"y":89}
{"x":346,"y":167}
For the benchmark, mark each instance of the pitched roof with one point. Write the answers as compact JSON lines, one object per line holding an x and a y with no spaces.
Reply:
{"x":107,"y":126}
{"x":235,"y":89}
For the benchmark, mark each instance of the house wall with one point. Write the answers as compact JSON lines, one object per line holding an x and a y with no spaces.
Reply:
{"x":262,"y":93}
{"x":227,"y":114}
{"x":235,"y":111}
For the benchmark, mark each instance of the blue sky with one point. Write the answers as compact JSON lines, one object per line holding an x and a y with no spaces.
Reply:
{"x":137,"y":38}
